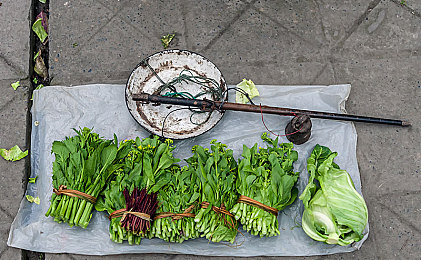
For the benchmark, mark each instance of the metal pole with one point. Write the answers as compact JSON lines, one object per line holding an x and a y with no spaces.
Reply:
{"x":213,"y":105}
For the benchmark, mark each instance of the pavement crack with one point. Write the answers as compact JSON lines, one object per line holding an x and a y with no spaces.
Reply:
{"x":400,"y":218}
{"x":317,"y":44}
{"x":11,"y":65}
{"x":318,"y":74}
{"x":357,"y":23}
{"x":184,"y":11}
{"x":229,"y":24}
{"x":8,"y":102}
{"x":407,"y":8}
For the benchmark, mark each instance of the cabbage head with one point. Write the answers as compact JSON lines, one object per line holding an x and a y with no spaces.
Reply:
{"x":335,"y":213}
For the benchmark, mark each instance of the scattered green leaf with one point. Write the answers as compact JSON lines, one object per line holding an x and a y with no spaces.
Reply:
{"x":248,"y":87}
{"x":166,"y":39}
{"x":15,"y":85}
{"x":33,"y":180}
{"x":403,"y":2}
{"x":39,"y":30}
{"x":40,"y":86}
{"x":14,"y":154}
{"x":37,"y":54}
{"x":75,"y":45}
{"x":35,"y":80}
{"x":32,"y":199}
{"x":42,"y":1}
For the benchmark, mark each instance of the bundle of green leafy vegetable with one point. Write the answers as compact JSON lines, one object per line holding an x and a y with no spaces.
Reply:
{"x":216,"y":170}
{"x":335,"y":213}
{"x":174,"y":220}
{"x":146,"y":166}
{"x":83,"y":163}
{"x":267,"y":176}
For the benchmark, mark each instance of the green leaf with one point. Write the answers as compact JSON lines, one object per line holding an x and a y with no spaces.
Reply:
{"x":39,"y":30}
{"x":248,"y":87}
{"x":166,"y":39}
{"x":335,"y":213}
{"x":43,"y":1}
{"x":33,"y":180}
{"x":15,"y":85}
{"x":14,"y":154}
{"x":32,"y":199}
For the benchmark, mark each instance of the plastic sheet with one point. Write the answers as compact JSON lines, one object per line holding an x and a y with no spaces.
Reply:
{"x":58,"y":109}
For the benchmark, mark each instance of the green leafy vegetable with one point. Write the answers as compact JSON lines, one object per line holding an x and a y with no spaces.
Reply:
{"x":39,"y":30}
{"x":33,"y":180}
{"x":85,"y":163}
{"x":166,"y":39}
{"x":32,"y":199}
{"x":14,"y":154}
{"x":248,"y":87}
{"x":216,"y":171}
{"x":267,"y":176}
{"x":335,"y":213}
{"x":15,"y":85}
{"x":146,"y":164}
{"x":180,"y":192}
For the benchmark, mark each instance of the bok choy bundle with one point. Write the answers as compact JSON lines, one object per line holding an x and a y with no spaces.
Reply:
{"x":266,"y":184}
{"x":216,"y":170}
{"x":174,"y":219}
{"x":83,"y":165}
{"x":131,"y":199}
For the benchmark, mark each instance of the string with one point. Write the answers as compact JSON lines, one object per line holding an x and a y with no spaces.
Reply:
{"x":261,"y":112}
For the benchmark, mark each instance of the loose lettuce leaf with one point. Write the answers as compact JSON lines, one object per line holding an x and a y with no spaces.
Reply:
{"x":249,"y":87}
{"x":32,"y":199}
{"x":14,"y":154}
{"x":15,"y":85}
{"x":39,"y":30}
{"x":33,"y":180}
{"x":166,"y":39}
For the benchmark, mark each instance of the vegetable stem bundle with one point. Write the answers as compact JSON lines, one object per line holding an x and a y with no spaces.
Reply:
{"x":145,"y":170}
{"x":265,"y":176}
{"x":83,"y":163}
{"x":215,"y":170}
{"x":174,"y":221}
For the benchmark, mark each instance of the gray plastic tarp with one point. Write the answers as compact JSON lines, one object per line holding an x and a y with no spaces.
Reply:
{"x":58,"y":109}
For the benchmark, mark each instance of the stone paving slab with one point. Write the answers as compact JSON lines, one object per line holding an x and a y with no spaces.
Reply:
{"x":13,"y":113}
{"x":374,"y":45}
{"x":14,"y":46}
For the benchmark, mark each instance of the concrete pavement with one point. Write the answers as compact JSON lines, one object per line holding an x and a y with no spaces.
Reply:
{"x":374,"y":45}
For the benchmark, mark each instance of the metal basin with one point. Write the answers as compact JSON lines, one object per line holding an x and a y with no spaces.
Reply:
{"x":179,"y":124}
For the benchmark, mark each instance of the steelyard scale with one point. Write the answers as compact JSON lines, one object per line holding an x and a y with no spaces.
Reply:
{"x":150,"y":105}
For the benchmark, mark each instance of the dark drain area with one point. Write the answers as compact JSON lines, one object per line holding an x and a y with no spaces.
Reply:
{"x":41,"y":49}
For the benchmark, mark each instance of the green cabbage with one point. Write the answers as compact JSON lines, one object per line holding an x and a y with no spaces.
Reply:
{"x":335,"y":213}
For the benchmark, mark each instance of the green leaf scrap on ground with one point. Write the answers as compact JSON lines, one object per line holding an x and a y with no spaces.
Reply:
{"x":15,"y":85}
{"x":32,"y":199}
{"x":403,"y":2}
{"x":166,"y":39}
{"x":39,"y":30}
{"x":14,"y":154}
{"x":248,"y":87}
{"x":43,"y":1}
{"x":40,"y":86}
{"x":33,"y":180}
